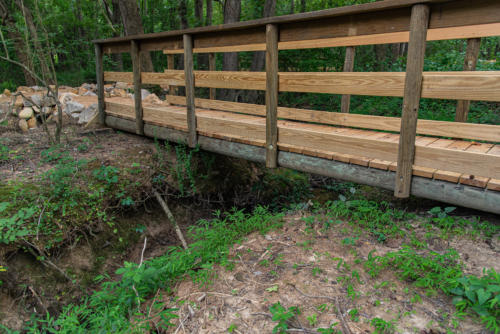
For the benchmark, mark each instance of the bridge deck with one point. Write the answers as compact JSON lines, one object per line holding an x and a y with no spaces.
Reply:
{"x":348,"y":145}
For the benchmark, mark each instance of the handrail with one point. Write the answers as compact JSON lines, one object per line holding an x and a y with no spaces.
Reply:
{"x":412,"y":21}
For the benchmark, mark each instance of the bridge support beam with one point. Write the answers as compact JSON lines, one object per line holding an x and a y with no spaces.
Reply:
{"x":272,"y":82}
{"x":99,"y":69}
{"x":457,"y":194}
{"x":189,"y":77}
{"x":411,"y":100}
{"x":135,"y":53}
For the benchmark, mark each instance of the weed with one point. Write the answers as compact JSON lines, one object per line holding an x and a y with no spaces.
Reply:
{"x":381,"y":326}
{"x":282,"y":316}
{"x":312,"y":319}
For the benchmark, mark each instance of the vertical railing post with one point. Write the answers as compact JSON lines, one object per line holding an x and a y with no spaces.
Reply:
{"x":350,"y":51}
{"x":135,"y":53}
{"x":411,"y":99}
{"x":171,"y":66}
{"x":189,"y":77}
{"x":99,"y":69}
{"x":471,"y":55}
{"x":211,"y":67}
{"x":272,"y":82}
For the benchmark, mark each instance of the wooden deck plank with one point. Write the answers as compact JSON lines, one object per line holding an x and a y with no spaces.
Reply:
{"x":493,"y":184}
{"x":447,"y":176}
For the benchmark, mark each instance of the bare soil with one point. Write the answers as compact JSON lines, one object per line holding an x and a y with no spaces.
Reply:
{"x":297,"y":266}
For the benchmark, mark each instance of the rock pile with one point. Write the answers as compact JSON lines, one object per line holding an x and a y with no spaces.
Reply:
{"x":78,"y":103}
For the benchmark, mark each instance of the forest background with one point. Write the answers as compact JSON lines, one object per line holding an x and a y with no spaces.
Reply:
{"x":63,"y":30}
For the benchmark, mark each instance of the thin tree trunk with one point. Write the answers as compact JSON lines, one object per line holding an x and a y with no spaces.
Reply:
{"x":132,"y":24}
{"x":302,"y":6}
{"x":14,"y":35}
{"x":198,"y":13}
{"x":259,"y":57}
{"x":209,"y":13}
{"x":232,"y":13}
{"x":115,"y":20}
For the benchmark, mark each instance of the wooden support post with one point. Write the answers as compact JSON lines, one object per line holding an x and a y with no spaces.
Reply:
{"x":189,"y":74}
{"x":100,"y":83}
{"x":350,"y":51}
{"x":171,"y":66}
{"x":135,"y":53}
{"x":272,"y":82}
{"x":471,"y":56}
{"x":211,"y":67}
{"x":411,"y":99}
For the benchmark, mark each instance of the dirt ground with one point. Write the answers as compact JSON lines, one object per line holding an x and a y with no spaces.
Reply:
{"x":299,"y":267}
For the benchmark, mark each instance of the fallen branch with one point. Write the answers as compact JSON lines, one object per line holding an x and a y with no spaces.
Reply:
{"x":43,"y":258}
{"x":170,"y":217}
{"x":345,"y":326}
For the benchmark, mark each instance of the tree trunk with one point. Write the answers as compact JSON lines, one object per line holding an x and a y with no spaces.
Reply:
{"x":132,"y":24}
{"x":232,"y":12}
{"x":33,"y":33}
{"x":198,"y":13}
{"x":19,"y":45}
{"x":209,"y":13}
{"x":292,"y":6}
{"x":115,"y":20}
{"x":302,"y":6}
{"x":259,"y":57}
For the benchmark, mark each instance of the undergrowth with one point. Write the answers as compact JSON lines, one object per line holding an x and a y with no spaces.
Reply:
{"x":118,"y":306}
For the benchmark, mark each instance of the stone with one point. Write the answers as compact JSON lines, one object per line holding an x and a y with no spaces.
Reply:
{"x":152,"y":99}
{"x":121,"y":85}
{"x":37,"y":99}
{"x":144,"y":93}
{"x":118,"y":92}
{"x":89,"y":93}
{"x":86,"y":115}
{"x":108,"y":87}
{"x":47,"y":110}
{"x":7,"y":92}
{"x":32,"y":123}
{"x":73,"y":108}
{"x":87,"y":86}
{"x":18,"y":102}
{"x":66,"y":97}
{"x":26,"y":113}
{"x":25,"y":89}
{"x":82,"y":90}
{"x":23,"y":125}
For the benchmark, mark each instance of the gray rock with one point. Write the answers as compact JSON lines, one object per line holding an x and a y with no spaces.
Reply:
{"x":37,"y":99}
{"x":73,"y":108}
{"x":26,"y":113}
{"x":144,"y":93}
{"x":89,"y":93}
{"x":86,"y":115}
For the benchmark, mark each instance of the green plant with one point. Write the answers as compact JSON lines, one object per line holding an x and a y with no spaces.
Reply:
{"x":354,"y":314}
{"x":481,"y":295}
{"x":282,"y":316}
{"x":312,"y":319}
{"x":381,"y":326}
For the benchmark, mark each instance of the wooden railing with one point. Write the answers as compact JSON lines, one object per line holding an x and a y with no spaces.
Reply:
{"x":391,"y":21}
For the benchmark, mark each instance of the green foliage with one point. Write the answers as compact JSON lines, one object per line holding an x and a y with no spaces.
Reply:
{"x":381,"y":326}
{"x":116,"y":305}
{"x":73,"y":195}
{"x":282,"y":315}
{"x":481,"y":295}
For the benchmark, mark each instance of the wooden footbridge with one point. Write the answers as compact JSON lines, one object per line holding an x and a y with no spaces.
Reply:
{"x":455,"y":162}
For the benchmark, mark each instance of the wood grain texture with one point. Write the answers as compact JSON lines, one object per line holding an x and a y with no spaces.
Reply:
{"x":411,"y":100}
{"x":438,"y":34}
{"x":211,"y":67}
{"x":171,"y":66}
{"x":127,"y":77}
{"x":350,"y":52}
{"x":100,"y":83}
{"x":135,"y":54}
{"x":425,"y":127}
{"x":470,"y":62}
{"x":190,"y":84}
{"x":272,"y":89}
